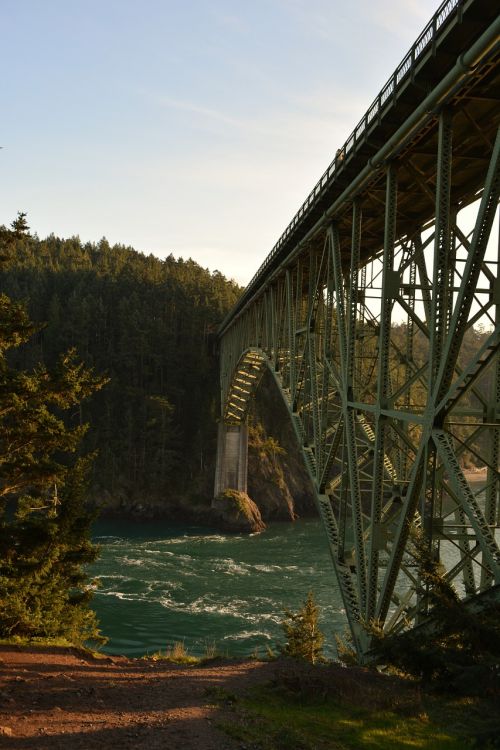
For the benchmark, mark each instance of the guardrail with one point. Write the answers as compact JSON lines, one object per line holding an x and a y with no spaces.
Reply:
{"x":404,"y":69}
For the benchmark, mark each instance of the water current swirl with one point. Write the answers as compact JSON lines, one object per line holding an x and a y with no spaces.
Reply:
{"x":160,"y":583}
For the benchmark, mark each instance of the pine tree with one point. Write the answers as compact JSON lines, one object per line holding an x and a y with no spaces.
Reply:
{"x":20,"y":226}
{"x":458,"y":641}
{"x":44,"y":527}
{"x":304,"y":638}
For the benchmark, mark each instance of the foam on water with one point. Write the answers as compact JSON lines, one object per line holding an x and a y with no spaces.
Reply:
{"x":244,"y":634}
{"x":231,"y":567}
{"x":108,"y":539}
{"x":160,"y":584}
{"x":273,"y":568}
{"x":200,"y":539}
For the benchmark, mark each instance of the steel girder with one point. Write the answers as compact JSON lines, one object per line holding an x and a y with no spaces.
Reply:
{"x":389,"y":365}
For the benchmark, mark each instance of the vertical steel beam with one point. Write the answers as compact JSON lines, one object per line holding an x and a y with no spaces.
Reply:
{"x":273,"y":347}
{"x":348,"y":413}
{"x":442,"y":245}
{"x":484,"y":222}
{"x":390,"y":283}
{"x":326,"y":383}
{"x":492,"y":504}
{"x":409,"y":352}
{"x":353,"y":296}
{"x":425,"y":282}
{"x":291,"y":333}
{"x":312,"y":375}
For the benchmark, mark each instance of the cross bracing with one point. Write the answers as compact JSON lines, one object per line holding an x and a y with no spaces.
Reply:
{"x":378,"y":313}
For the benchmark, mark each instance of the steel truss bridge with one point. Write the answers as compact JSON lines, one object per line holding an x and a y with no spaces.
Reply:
{"x":378,"y":314}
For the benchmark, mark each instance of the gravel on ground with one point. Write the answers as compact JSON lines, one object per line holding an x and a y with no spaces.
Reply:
{"x":55,"y":698}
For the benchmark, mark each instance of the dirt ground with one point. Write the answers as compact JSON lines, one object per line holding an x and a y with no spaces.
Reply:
{"x":62,"y":698}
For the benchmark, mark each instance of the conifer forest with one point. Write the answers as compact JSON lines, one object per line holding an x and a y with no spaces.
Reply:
{"x":146,"y":325}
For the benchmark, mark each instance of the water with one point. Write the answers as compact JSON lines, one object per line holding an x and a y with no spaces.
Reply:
{"x":160,"y":584}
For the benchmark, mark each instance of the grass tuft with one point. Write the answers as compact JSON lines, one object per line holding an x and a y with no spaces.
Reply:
{"x":177,"y":654}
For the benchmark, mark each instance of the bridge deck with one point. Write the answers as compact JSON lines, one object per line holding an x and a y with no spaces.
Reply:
{"x":453,"y":30}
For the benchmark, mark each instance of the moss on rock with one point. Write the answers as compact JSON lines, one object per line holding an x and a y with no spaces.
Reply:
{"x":236,"y":511}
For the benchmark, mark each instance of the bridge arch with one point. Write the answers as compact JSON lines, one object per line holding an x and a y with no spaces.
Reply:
{"x":243,"y":384}
{"x":231,"y":470}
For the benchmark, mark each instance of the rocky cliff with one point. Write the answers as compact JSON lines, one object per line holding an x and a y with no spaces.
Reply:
{"x":277,"y":479}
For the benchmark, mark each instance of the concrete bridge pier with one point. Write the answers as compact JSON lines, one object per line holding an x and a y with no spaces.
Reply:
{"x":232,"y":458}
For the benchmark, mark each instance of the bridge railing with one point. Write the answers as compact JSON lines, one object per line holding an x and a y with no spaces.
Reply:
{"x":428,"y":37}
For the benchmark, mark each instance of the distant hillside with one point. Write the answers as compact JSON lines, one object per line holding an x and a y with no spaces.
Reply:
{"x":149,"y":324}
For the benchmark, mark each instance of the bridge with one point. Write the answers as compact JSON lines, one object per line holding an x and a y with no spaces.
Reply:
{"x":378,"y":314}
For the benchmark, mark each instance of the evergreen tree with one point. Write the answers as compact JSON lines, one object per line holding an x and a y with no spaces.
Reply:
{"x":149,"y":324}
{"x":20,"y":226}
{"x":457,"y":642}
{"x":304,"y":639}
{"x":44,"y":527}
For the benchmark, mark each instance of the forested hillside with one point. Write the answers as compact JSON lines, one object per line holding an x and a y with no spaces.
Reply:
{"x":148,"y":324}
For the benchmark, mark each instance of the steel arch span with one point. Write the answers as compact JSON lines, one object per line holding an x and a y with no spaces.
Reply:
{"x":378,"y":313}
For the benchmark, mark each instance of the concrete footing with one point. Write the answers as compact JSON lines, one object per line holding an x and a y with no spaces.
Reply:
{"x":232,"y":458}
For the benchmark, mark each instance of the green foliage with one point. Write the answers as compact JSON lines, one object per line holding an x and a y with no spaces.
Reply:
{"x":15,"y":326}
{"x":20,"y":226}
{"x":346,"y":653}
{"x":239,"y":499}
{"x":265,"y":445}
{"x":150,"y":325}
{"x":303,"y":637}
{"x":269,"y":719}
{"x":266,"y":454}
{"x":44,"y":528}
{"x":176,"y":654}
{"x":458,"y":648}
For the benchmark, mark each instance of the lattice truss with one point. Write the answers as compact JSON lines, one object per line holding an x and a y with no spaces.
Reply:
{"x":390,"y":369}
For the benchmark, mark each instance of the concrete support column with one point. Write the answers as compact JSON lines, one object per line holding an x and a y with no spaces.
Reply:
{"x":232,"y":458}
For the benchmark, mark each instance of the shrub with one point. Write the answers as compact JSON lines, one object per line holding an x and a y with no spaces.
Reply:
{"x":304,"y":638}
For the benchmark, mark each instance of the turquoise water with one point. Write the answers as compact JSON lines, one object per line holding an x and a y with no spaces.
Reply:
{"x":160,"y":584}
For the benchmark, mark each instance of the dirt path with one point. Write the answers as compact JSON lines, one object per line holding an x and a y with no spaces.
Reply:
{"x":61,"y":698}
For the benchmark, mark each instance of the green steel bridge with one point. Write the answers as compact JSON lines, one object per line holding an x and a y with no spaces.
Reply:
{"x":378,"y":314}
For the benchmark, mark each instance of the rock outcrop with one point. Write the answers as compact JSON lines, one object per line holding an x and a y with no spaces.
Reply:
{"x":277,"y":478}
{"x":266,"y":479}
{"x":235,"y":511}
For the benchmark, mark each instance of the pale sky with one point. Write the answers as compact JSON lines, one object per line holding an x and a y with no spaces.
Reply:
{"x":195,"y":128}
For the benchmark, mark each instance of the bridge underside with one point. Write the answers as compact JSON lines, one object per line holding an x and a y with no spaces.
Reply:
{"x":381,"y":325}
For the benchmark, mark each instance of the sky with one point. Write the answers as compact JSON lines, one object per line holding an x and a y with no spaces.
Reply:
{"x":195,"y":128}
